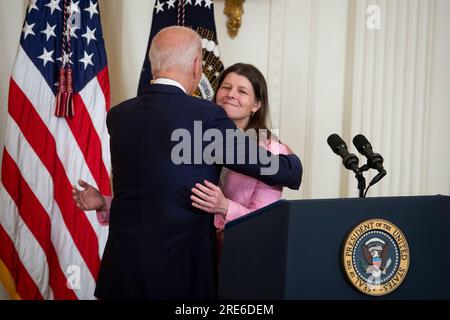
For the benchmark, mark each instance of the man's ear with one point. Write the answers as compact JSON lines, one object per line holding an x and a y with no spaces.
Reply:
{"x":197,"y":67}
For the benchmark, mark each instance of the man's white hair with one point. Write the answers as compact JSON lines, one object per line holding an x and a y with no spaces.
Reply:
{"x":176,"y":48}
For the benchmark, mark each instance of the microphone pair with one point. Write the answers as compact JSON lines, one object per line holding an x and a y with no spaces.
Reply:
{"x":374,"y":160}
{"x":350,"y":160}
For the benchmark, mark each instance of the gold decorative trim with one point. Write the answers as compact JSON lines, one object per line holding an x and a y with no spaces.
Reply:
{"x":234,"y":9}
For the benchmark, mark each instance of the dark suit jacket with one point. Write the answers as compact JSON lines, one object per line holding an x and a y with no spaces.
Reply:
{"x":159,"y":246}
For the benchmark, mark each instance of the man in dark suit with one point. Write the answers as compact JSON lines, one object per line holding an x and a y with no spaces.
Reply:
{"x":159,"y":246}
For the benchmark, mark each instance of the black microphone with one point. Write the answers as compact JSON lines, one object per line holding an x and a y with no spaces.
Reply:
{"x":374,"y":160}
{"x":339,"y":147}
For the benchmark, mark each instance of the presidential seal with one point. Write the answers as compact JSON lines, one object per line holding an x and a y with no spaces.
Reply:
{"x":376,"y":257}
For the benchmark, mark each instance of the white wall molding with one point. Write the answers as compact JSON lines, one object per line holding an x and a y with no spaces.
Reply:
{"x":311,"y":92}
{"x":275,"y":58}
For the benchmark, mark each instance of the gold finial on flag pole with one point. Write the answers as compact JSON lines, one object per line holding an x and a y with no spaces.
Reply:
{"x":234,"y":9}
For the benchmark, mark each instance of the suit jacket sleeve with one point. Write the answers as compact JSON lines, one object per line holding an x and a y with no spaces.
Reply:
{"x":242,"y":154}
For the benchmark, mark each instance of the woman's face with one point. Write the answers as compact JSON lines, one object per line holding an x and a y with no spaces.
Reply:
{"x":237,"y":97}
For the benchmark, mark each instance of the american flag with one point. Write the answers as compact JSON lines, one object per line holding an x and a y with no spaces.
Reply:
{"x":199,"y":16}
{"x":49,"y":249}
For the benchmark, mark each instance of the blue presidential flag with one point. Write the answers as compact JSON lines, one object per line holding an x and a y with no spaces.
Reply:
{"x":199,"y":16}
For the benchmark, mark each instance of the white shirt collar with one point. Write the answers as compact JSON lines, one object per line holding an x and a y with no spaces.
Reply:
{"x":169,"y":82}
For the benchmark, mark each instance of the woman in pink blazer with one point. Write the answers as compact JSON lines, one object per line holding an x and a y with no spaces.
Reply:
{"x":242,"y":92}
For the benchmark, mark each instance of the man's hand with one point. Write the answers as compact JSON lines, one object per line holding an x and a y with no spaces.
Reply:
{"x":209,"y":198}
{"x":89,"y":198}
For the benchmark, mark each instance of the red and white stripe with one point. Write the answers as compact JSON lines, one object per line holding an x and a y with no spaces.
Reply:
{"x":42,"y":232}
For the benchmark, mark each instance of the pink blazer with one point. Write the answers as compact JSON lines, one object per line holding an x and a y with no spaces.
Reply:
{"x":247,"y":194}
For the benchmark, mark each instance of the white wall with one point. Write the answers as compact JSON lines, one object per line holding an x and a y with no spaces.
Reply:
{"x":12,"y":14}
{"x":313,"y":89}
{"x":11,"y":19}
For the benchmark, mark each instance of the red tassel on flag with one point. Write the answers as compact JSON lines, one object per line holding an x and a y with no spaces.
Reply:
{"x":61,"y":96}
